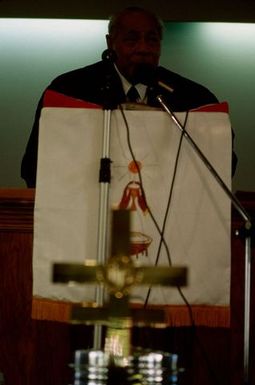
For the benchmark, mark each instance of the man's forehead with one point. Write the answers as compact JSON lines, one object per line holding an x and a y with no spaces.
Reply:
{"x":139,"y":31}
{"x":137,"y":22}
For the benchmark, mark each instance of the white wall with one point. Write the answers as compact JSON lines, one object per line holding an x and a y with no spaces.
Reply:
{"x":33,"y":52}
{"x":222,"y":57}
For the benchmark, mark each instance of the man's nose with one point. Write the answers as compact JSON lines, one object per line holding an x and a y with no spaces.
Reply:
{"x":143,"y":45}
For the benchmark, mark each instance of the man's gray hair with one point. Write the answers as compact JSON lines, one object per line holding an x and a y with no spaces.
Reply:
{"x":115,"y":19}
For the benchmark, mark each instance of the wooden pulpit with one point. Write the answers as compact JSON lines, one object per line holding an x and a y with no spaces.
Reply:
{"x":37,"y":342}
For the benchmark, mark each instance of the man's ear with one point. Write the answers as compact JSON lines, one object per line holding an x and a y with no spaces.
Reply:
{"x":108,"y":41}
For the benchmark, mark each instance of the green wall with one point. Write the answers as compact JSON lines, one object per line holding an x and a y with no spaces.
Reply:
{"x":220,"y":56}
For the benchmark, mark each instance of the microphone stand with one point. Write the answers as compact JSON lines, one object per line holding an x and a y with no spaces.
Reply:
{"x":248,"y":229}
{"x":104,"y":180}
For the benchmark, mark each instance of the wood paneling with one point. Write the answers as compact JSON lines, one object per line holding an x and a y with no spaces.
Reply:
{"x":38,"y":351}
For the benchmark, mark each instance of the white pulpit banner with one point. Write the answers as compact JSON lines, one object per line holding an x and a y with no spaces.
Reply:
{"x":197,"y":229}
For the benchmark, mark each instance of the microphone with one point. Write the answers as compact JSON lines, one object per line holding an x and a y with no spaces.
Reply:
{"x":149,"y":75}
{"x":109,"y":97}
{"x":109,"y":55}
{"x":165,"y":86}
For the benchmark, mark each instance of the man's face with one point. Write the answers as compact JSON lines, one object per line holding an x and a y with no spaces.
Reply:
{"x":137,"y":41}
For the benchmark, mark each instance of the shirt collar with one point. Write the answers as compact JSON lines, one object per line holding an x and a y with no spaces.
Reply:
{"x":141,"y":88}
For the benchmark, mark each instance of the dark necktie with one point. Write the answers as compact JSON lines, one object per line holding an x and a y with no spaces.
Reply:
{"x":132,"y":95}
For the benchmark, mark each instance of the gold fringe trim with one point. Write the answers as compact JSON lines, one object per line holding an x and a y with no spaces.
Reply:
{"x":46,"y":309}
{"x":211,"y":316}
{"x":176,"y":315}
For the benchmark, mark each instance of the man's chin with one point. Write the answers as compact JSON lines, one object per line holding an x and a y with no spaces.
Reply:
{"x":145,"y":62}
{"x":143,"y":72}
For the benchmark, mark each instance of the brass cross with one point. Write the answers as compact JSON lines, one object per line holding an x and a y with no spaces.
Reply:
{"x":119,"y":275}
